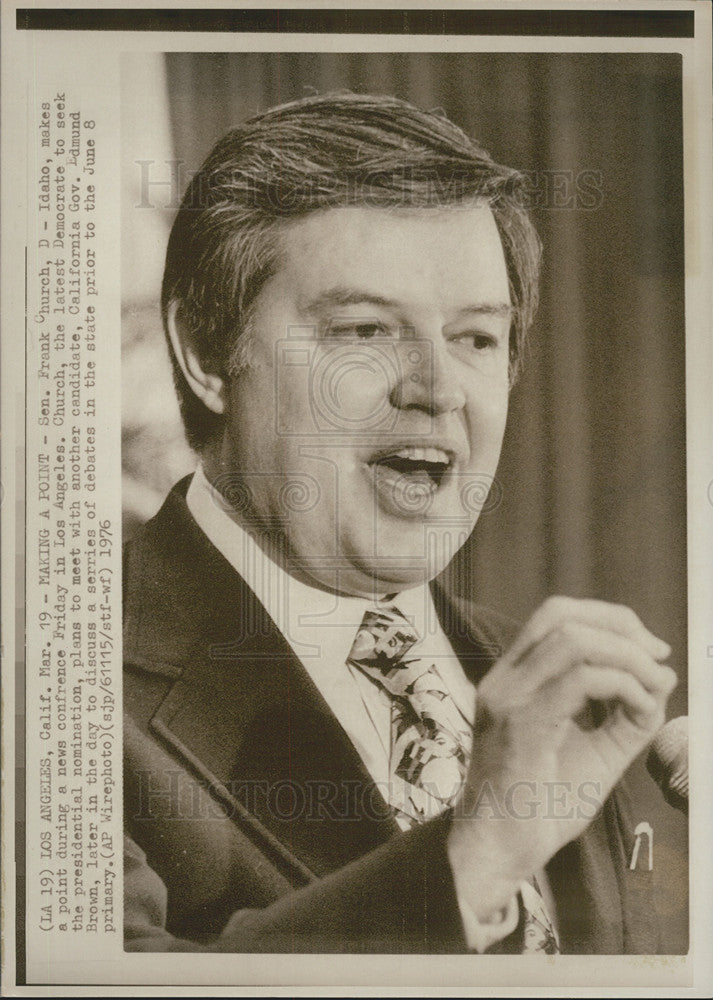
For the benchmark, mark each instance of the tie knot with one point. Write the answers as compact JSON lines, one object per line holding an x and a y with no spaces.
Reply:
{"x":382,"y":643}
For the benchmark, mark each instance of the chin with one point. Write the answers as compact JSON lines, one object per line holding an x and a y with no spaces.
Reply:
{"x":396,"y":577}
{"x":421,"y":555}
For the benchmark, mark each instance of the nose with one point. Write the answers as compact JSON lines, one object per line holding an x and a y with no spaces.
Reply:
{"x":428,"y":379}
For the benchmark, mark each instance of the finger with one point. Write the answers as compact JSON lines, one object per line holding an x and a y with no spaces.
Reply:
{"x":567,"y":695}
{"x":572,"y":644}
{"x":597,"y":614}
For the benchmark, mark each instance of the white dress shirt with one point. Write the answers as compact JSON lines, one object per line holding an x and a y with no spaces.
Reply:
{"x":320,"y":626}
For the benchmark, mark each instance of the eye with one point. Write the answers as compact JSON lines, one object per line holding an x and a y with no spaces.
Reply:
{"x":356,"y":330}
{"x":477,"y":341}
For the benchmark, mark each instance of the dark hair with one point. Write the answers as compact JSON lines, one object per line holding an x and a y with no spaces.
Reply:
{"x":311,"y":154}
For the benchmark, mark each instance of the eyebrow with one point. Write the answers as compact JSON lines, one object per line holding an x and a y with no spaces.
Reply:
{"x":500,"y":310}
{"x":340,"y":296}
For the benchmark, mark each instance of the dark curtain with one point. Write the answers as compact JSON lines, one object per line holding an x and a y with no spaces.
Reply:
{"x":590,"y":498}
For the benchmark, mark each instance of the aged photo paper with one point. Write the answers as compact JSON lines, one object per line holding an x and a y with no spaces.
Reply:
{"x":186,"y":757}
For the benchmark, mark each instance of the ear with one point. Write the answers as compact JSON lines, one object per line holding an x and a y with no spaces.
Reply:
{"x":206,"y":385}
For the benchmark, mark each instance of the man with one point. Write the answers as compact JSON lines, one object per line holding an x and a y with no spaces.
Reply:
{"x":324,"y":750}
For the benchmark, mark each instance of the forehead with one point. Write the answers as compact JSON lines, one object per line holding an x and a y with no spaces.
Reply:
{"x":439,"y":255}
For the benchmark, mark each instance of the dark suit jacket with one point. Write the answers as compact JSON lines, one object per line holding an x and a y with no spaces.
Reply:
{"x":252,"y":824}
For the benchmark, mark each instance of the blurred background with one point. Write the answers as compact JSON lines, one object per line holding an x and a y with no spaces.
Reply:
{"x":590,"y":496}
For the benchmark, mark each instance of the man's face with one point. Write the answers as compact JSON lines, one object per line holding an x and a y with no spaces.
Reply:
{"x":367,"y":428}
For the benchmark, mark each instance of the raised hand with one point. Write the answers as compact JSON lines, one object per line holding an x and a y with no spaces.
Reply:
{"x":559,"y":718}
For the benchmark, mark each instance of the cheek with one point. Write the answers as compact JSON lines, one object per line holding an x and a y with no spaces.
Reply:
{"x":486,"y":414}
{"x":500,"y":414}
{"x":349,"y":388}
{"x":309,"y":486}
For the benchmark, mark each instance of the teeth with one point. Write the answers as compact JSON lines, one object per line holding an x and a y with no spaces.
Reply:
{"x":434,"y":455}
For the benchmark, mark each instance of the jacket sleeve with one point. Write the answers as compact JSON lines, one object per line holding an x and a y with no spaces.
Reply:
{"x":397,"y":899}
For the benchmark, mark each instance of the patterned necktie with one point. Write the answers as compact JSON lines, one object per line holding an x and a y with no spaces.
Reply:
{"x":430,"y":741}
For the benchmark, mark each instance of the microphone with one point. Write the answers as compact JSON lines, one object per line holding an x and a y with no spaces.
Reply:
{"x":667,"y":762}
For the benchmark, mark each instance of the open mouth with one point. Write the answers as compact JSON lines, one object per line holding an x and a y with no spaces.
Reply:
{"x":424,"y":466}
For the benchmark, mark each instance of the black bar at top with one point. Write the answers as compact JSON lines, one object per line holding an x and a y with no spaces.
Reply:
{"x":593,"y":23}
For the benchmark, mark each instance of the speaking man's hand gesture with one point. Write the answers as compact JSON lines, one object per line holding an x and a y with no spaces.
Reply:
{"x":535,"y":732}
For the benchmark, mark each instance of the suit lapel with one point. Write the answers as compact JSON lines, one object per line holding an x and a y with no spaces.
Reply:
{"x":243,"y":712}
{"x":477,"y":635}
